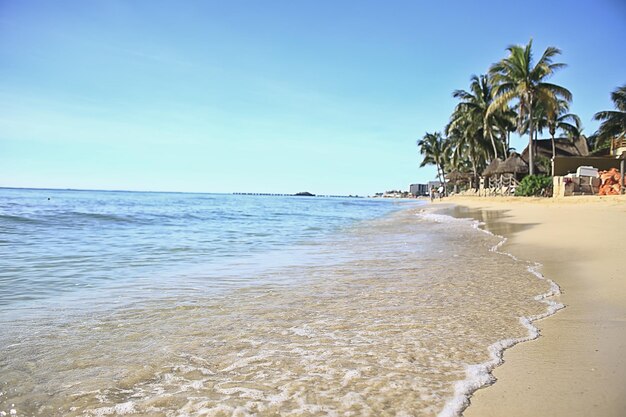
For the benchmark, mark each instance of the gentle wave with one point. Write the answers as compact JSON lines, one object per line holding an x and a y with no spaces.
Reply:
{"x":101,"y":217}
{"x":341,"y":307}
{"x":8,"y":218}
{"x":104,"y":237}
{"x":480,"y":375}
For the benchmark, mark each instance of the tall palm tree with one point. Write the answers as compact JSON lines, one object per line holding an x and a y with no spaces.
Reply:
{"x":517,"y":77}
{"x":506,"y":121}
{"x":436,"y":150}
{"x":560,"y":118}
{"x":473,"y":107}
{"x":613,"y":121}
{"x":467,"y":142}
{"x":555,"y":117}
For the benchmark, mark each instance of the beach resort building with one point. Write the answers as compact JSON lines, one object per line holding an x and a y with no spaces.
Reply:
{"x":417,"y":190}
{"x":573,"y":168}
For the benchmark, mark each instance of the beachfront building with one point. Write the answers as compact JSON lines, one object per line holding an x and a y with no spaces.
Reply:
{"x":434,"y":184}
{"x":573,"y":168}
{"x":417,"y":190}
{"x":618,"y":147}
{"x":562,"y":147}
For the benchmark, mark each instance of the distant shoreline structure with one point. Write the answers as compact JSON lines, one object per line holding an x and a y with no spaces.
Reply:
{"x":303,"y":194}
{"x":387,"y":194}
{"x":181,"y":192}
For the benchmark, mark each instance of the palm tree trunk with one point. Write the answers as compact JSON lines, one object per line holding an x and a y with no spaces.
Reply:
{"x":531,"y":159}
{"x":476,"y":181}
{"x":507,"y":140}
{"x":553,"y":153}
{"x":440,"y":175}
{"x":443,"y":180}
{"x":493,"y":143}
{"x":475,"y":170}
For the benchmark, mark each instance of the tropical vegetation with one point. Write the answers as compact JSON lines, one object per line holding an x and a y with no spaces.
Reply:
{"x":613,"y":121}
{"x":516,"y":95}
{"x":533,"y":185}
{"x":435,"y":150}
{"x":517,"y":77}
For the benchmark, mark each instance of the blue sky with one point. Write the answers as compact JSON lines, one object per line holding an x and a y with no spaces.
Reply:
{"x":266,"y":96}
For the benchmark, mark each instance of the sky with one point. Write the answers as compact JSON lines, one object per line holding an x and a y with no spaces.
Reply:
{"x":267,"y":96}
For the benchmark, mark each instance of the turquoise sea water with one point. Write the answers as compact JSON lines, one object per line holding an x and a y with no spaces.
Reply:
{"x":167,"y":304}
{"x":94,"y":246}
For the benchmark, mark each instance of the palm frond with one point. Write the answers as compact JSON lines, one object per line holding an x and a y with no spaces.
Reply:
{"x":619,"y":98}
{"x":501,"y":101}
{"x":610,"y":115}
{"x":557,"y":90}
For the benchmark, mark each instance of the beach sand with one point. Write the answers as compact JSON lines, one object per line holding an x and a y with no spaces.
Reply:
{"x":578,"y":365}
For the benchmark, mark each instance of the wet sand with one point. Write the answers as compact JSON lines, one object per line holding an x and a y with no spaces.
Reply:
{"x":578,"y":365}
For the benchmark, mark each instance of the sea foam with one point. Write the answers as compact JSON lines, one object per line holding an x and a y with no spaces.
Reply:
{"x":480,"y":375}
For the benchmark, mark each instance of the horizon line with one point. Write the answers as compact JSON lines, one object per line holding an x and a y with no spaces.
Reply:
{"x":178,"y":192}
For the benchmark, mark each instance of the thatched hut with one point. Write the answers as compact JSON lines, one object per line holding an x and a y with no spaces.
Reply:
{"x":491,"y":168}
{"x":509,"y":173}
{"x":457,"y":178}
{"x":488,"y":180}
{"x":514,"y":164}
{"x":501,"y":177}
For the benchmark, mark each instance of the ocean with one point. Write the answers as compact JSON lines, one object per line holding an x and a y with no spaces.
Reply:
{"x":181,"y":304}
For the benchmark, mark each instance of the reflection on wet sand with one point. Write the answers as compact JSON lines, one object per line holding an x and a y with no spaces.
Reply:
{"x":495,"y":221}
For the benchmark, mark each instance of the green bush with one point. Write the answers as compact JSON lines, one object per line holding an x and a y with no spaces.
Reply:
{"x":534,"y":185}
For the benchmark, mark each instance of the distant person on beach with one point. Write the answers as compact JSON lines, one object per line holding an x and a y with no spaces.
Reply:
{"x":440,"y":191}
{"x":432,"y":194}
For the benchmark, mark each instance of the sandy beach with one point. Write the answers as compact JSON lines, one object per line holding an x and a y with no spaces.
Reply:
{"x":578,"y":365}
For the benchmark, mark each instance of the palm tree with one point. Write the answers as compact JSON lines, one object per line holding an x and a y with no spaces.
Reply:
{"x":515,"y":77}
{"x":467,"y":142}
{"x":556,"y":117}
{"x":613,"y":121}
{"x":436,"y":150}
{"x":473,"y":108}
{"x":506,"y":121}
{"x":559,"y":118}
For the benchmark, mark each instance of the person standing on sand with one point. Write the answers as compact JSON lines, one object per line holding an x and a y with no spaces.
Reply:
{"x":432,"y":194}
{"x":440,"y":190}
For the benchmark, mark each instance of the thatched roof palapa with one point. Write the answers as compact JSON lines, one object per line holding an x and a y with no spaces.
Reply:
{"x":457,"y":176}
{"x":514,"y":164}
{"x":563,"y":147}
{"x":491,"y":168}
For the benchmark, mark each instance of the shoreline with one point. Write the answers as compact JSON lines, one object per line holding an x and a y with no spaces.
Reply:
{"x":578,"y":365}
{"x":479,"y":376}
